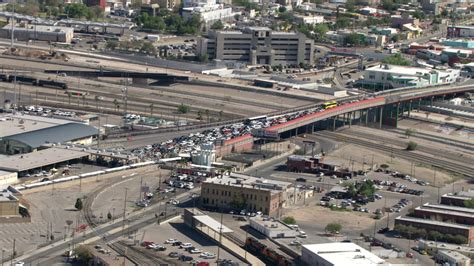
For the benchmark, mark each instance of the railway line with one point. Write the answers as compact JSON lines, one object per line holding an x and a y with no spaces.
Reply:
{"x":137,"y":256}
{"x":386,"y":140}
{"x":433,"y":161}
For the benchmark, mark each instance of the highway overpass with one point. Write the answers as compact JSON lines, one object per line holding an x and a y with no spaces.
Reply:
{"x":384,"y":109}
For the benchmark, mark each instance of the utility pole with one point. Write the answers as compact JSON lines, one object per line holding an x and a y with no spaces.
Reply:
{"x":124,"y":210}
{"x":13,"y":27}
{"x":140,"y":189}
{"x":13,"y":254}
{"x":220,"y":237}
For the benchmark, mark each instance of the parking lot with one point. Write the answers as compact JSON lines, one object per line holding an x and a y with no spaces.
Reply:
{"x":177,"y":230}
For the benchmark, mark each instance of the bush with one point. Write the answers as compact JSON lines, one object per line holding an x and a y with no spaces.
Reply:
{"x":411,"y":146}
{"x":84,"y":255}
{"x":289,"y":220}
{"x":183,"y":108}
{"x":78,"y":204}
{"x":333,"y":228}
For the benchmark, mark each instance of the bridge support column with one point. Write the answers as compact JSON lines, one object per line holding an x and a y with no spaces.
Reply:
{"x":419,"y":104}
{"x":431,"y":100}
{"x":396,"y":115}
{"x":374,"y":113}
{"x":366,"y":117}
{"x":334,"y":123}
{"x":312,"y":128}
{"x":350,"y":118}
{"x":409,"y":108}
{"x":381,"y":117}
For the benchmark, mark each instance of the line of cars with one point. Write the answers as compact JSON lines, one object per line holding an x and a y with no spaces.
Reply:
{"x":397,"y":187}
{"x":189,"y":248}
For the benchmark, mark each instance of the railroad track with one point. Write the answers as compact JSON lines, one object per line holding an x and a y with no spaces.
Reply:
{"x":443,"y":164}
{"x":137,"y":256}
{"x":446,"y":154}
{"x":235,"y":239}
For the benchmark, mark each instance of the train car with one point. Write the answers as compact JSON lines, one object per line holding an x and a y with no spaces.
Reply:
{"x":268,"y":254}
{"x":4,"y":77}
{"x":76,"y":93}
{"x":52,"y":84}
{"x":329,"y":105}
{"x":22,"y":79}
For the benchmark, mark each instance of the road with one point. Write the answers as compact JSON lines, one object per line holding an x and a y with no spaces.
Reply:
{"x":111,"y":230}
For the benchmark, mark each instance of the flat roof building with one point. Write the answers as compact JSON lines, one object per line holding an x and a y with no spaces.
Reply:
{"x":238,"y":191}
{"x":8,"y":177}
{"x":445,"y":213}
{"x":272,"y":228}
{"x":28,"y":32}
{"x":258,"y":46}
{"x":457,"y":199}
{"x":392,"y":76}
{"x":435,"y":247}
{"x":338,"y":254}
{"x":9,"y":203}
{"x":452,"y":258}
{"x":441,"y":227}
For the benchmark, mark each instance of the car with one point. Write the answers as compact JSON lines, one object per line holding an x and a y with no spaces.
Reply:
{"x":207,"y":255}
{"x":295,"y":243}
{"x":410,"y":255}
{"x":300,"y":179}
{"x":171,"y":241}
{"x":185,"y":245}
{"x":177,"y":243}
{"x":195,"y":251}
{"x":147,"y":243}
{"x":185,"y":258}
{"x":173,"y":254}
{"x":384,"y":230}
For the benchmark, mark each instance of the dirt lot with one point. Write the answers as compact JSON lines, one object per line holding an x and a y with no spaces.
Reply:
{"x":350,"y":221}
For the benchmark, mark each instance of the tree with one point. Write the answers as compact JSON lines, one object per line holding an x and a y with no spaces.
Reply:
{"x":221,"y":113}
{"x":384,"y":166}
{"x":367,"y":188}
{"x":109,"y":216}
{"x":83,"y":254}
{"x":350,"y":5}
{"x":199,"y":115}
{"x":151,"y":109}
{"x":410,"y":132}
{"x":183,"y":108}
{"x":469,"y":203}
{"x":342,"y":23}
{"x":111,"y":45}
{"x":418,"y":14}
{"x":218,"y":25}
{"x":148,"y":48}
{"x":207,"y":114}
{"x":116,"y":104}
{"x":411,"y":146}
{"x":353,"y":39}
{"x":388,"y":5}
{"x":78,"y":204}
{"x":289,"y":220}
{"x":282,"y":9}
{"x":333,"y":228}
{"x":396,"y":59}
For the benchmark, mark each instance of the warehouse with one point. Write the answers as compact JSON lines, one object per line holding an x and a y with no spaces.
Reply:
{"x":330,"y":254}
{"x":39,"y":33}
{"x":457,"y":199}
{"x":28,"y":141}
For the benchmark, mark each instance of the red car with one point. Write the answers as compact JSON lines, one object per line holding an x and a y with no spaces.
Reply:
{"x":147,"y":243}
{"x":410,"y":255}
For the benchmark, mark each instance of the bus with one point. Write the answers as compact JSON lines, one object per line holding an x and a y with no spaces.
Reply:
{"x":76,"y":93}
{"x":329,"y":105}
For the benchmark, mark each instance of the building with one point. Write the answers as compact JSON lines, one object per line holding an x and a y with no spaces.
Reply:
{"x":25,"y":133}
{"x":9,"y":203}
{"x":26,"y":32}
{"x":457,"y":199}
{"x":460,"y":31}
{"x":206,"y":155}
{"x":397,"y":21}
{"x":210,"y":14}
{"x":459,"y":43}
{"x":239,"y":144}
{"x":445,"y":213}
{"x":340,"y":254}
{"x":237,"y":192}
{"x":272,"y":228}
{"x":433,"y":247}
{"x":391,"y":76}
{"x":437,"y":226}
{"x":309,"y":19}
{"x":258,"y":45}
{"x":8,"y":178}
{"x":99,"y":3}
{"x":168,"y":4}
{"x":452,"y":258}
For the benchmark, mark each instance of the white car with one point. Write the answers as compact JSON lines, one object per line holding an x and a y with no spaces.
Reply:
{"x":195,"y":251}
{"x":186,"y":245}
{"x":295,"y":243}
{"x":207,"y":255}
{"x":171,"y":241}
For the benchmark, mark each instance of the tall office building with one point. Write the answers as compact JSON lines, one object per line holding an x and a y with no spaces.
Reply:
{"x":258,"y":45}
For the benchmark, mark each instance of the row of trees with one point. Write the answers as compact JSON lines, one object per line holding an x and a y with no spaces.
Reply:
{"x":413,"y":232}
{"x":170,"y":22}
{"x":53,"y":8}
{"x":365,"y":188}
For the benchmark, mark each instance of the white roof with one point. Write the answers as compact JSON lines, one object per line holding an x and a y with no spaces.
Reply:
{"x":213,"y":224}
{"x":400,"y":70}
{"x":343,"y":254}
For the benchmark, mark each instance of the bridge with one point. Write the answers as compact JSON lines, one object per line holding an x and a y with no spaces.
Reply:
{"x":384,"y":109}
{"x":137,"y":77}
